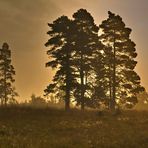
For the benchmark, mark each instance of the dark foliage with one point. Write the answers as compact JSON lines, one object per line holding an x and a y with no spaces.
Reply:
{"x":7,"y":72}
{"x":93,"y":70}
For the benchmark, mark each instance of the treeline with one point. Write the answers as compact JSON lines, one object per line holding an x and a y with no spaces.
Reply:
{"x":41,"y":102}
{"x":94,"y":64}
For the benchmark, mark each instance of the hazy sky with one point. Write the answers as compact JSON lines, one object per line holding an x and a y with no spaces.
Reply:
{"x":23,"y":26}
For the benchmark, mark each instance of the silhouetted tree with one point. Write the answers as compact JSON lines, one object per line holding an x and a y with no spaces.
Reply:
{"x":143,"y":97}
{"x":142,"y":101}
{"x":61,"y":48}
{"x":99,"y":92}
{"x":12,"y":100}
{"x":86,"y":42}
{"x":124,"y":83}
{"x":13,"y":96}
{"x":6,"y":74}
{"x":37,"y":101}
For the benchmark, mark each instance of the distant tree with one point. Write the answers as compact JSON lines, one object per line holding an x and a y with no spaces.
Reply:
{"x":37,"y":101}
{"x":13,"y":96}
{"x":7,"y":73}
{"x":143,"y":97}
{"x":124,"y":83}
{"x":142,"y":101}
{"x":60,"y":52}
{"x":52,"y":99}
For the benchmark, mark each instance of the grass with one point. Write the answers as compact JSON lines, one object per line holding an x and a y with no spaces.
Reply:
{"x":53,"y":128}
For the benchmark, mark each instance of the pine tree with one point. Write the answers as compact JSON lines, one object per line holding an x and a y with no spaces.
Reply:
{"x":124,"y":83}
{"x":7,"y":73}
{"x":61,"y":48}
{"x":99,"y":93}
{"x":13,"y":95}
{"x":86,"y":42}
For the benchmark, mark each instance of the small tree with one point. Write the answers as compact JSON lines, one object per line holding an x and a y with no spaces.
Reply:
{"x":13,"y":96}
{"x":7,"y":73}
{"x":37,"y":101}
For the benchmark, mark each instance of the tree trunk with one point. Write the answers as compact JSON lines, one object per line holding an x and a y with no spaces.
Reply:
{"x":113,"y":102}
{"x":67,"y":100}
{"x":5,"y":87}
{"x":110,"y":87}
{"x":82,"y":83}
{"x":67,"y":96}
{"x":2,"y":102}
{"x":82,"y":91}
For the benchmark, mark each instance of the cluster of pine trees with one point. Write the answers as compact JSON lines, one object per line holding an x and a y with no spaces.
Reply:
{"x":7,"y":72}
{"x":94,"y":65}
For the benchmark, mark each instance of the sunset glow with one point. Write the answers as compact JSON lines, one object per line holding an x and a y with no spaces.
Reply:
{"x":24,"y":26}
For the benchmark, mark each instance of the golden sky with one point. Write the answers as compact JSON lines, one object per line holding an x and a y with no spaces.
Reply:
{"x":23,"y":26}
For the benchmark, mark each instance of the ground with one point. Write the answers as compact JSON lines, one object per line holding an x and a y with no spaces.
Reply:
{"x":55,"y":128}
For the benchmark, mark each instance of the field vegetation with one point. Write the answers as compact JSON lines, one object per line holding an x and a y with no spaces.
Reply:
{"x":27,"y":127}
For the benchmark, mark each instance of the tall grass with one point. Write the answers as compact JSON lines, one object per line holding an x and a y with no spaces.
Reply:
{"x":26,"y":127}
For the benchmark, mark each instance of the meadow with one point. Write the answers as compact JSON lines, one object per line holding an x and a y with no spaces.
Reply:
{"x":25,"y":127}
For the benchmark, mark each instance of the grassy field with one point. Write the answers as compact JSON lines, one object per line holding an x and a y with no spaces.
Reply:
{"x":51,"y":128}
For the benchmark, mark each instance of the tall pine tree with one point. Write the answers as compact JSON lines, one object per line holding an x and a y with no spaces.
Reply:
{"x":86,"y":42}
{"x":60,"y":52}
{"x":124,"y":83}
{"x":7,"y":73}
